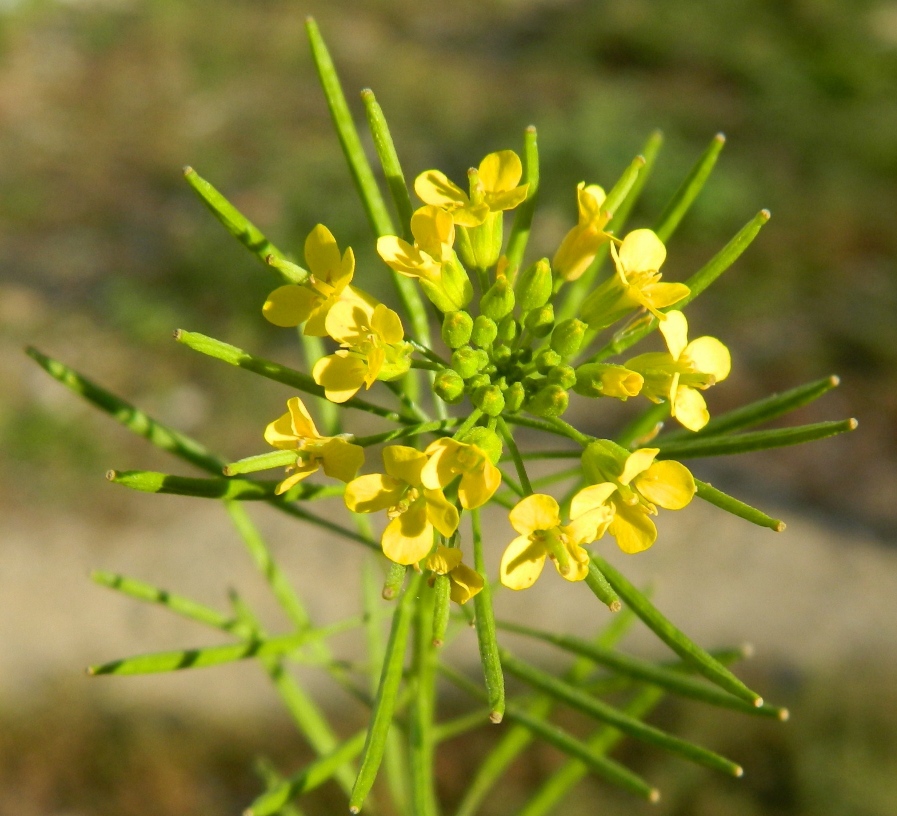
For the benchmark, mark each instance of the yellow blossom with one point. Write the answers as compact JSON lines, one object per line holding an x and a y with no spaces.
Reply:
{"x":542,"y":535}
{"x":580,"y":244}
{"x":465,"y":582}
{"x":331,"y":274}
{"x":633,"y":485}
{"x":431,"y":259}
{"x":373,"y":348}
{"x":450,"y":458}
{"x":679,"y":375}
{"x":296,"y":430}
{"x":494,"y":188}
{"x":636,"y":283}
{"x":413,"y":509}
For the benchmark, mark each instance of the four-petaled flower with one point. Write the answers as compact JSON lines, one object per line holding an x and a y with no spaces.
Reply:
{"x":373,"y":348}
{"x":413,"y":508}
{"x":634,"y":484}
{"x":636,"y":283}
{"x":542,"y":535}
{"x":449,"y":458}
{"x":580,"y":244}
{"x":679,"y":376}
{"x":465,"y":582}
{"x":494,"y":187}
{"x":296,"y":431}
{"x":294,"y":304}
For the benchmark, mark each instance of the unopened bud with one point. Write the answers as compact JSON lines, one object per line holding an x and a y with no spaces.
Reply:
{"x":546,"y":359}
{"x":489,"y":399}
{"x":485,"y":439}
{"x":540,"y":321}
{"x":468,"y":361}
{"x":449,"y":386}
{"x":514,"y":397}
{"x":456,"y":329}
{"x":607,"y":380}
{"x":484,"y":332}
{"x":501,"y":355}
{"x":534,"y":286}
{"x":562,"y":375}
{"x":478,"y":381}
{"x":508,"y":329}
{"x":567,"y":337}
{"x":499,"y":299}
{"x":549,"y":401}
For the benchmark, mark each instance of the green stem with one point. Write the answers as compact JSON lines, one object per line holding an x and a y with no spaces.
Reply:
{"x":515,"y":455}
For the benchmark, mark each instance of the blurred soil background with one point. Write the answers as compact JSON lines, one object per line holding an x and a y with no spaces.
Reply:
{"x":104,"y":251}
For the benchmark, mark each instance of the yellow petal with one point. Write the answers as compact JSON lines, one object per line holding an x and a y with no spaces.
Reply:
{"x":438,"y":471}
{"x":290,"y":305}
{"x":348,"y":322}
{"x":375,"y":359}
{"x":521,"y":563}
{"x":589,"y":200}
{"x":432,"y":227}
{"x":341,"y":459}
{"x":373,"y":492}
{"x":669,"y":484}
{"x":507,"y":200}
{"x":690,"y":408}
{"x":444,"y":560}
{"x":590,"y":498}
{"x":409,"y":537}
{"x":535,"y":512}
{"x":637,"y":462}
{"x":322,"y":254}
{"x":294,"y":478}
{"x":279,"y":434}
{"x":303,"y":424}
{"x":658,"y":295}
{"x":578,"y":564}
{"x":590,"y":526}
{"x":674,"y":328}
{"x":405,"y":463}
{"x":466,"y":583}
{"x":477,"y":487}
{"x":471,"y":215}
{"x":642,"y":251}
{"x":443,"y":515}
{"x":633,"y":528}
{"x":387,"y":324}
{"x":434,"y":187}
{"x":343,"y":276}
{"x":341,"y":375}
{"x":709,"y":356}
{"x":402,"y":257}
{"x":500,"y":171}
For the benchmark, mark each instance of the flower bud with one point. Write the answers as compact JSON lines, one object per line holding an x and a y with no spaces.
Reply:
{"x":508,"y":329}
{"x":607,"y":380}
{"x":485,"y":240}
{"x":498,"y":301}
{"x":549,"y":401}
{"x":478,"y":381}
{"x":468,"y":361}
{"x":514,"y":397}
{"x":540,"y":321}
{"x":562,"y":375}
{"x":489,"y":399}
{"x":501,"y":355}
{"x":567,"y":337}
{"x":546,"y":359}
{"x":456,"y":329}
{"x":485,"y":331}
{"x":449,"y":386}
{"x":487,"y":440}
{"x":534,"y":286}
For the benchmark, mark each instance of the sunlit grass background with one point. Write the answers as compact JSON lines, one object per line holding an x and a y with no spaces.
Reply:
{"x":104,"y":251}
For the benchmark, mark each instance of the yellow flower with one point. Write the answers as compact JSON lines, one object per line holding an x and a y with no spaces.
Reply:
{"x":580,"y":244}
{"x":296,"y":430}
{"x":495,"y":189}
{"x":636,"y":283}
{"x":373,"y":348}
{"x":331,"y":274}
{"x":432,"y":259}
{"x":465,"y":582}
{"x":413,"y":509}
{"x":450,"y":458}
{"x":633,"y":484}
{"x":679,"y":376}
{"x":542,"y":535}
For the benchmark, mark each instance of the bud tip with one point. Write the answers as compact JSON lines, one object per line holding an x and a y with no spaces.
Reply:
{"x":110,"y":475}
{"x":496,"y":717}
{"x":654,"y":796}
{"x":747,"y":650}
{"x":178,"y":334}
{"x":784,"y":715}
{"x":227,"y":471}
{"x":852,"y":423}
{"x":615,"y":606}
{"x":187,"y":170}
{"x":780,"y":527}
{"x":766,"y":214}
{"x":720,"y":137}
{"x":738,"y":771}
{"x":438,"y":643}
{"x":758,"y":702}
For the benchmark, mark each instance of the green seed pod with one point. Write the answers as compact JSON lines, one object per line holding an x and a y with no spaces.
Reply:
{"x":489,"y":399}
{"x":550,"y":401}
{"x":534,"y":286}
{"x":466,"y":361}
{"x":514,"y":397}
{"x":546,"y":359}
{"x":449,"y":386}
{"x":498,"y":301}
{"x":395,"y":577}
{"x":567,"y":337}
{"x":508,"y":329}
{"x":456,"y":329}
{"x":484,"y":332}
{"x":607,"y":380}
{"x":485,"y":439}
{"x":540,"y":321}
{"x":442,"y":587}
{"x":562,"y":375}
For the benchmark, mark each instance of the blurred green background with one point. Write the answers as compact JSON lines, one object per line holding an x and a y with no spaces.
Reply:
{"x":105,"y":250}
